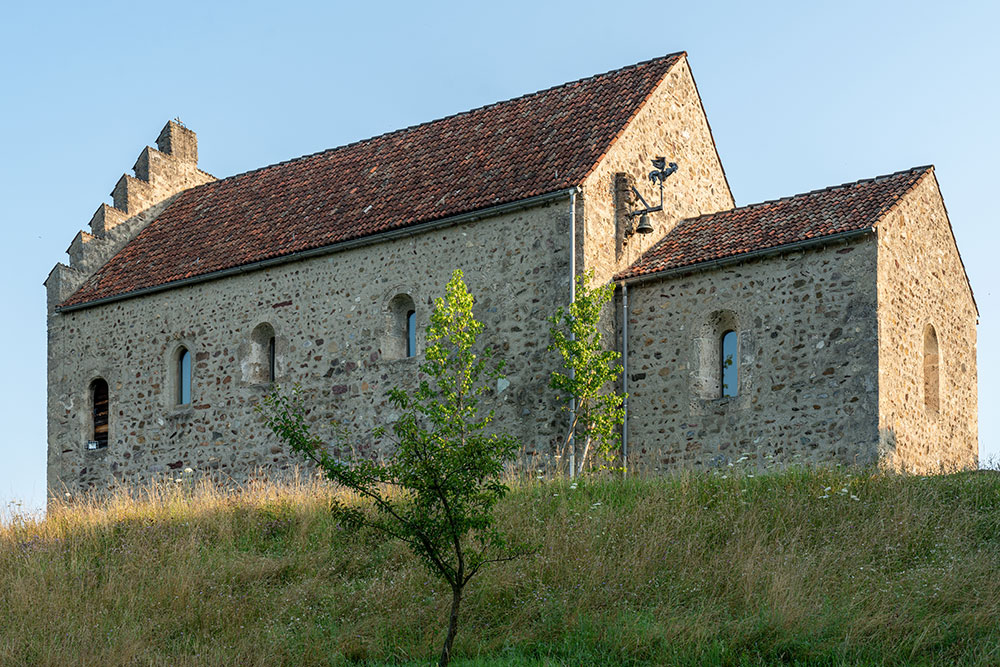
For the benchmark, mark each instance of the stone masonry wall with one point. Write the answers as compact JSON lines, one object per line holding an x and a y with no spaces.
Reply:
{"x":330,"y":315}
{"x":807,"y":356}
{"x":921,"y":282}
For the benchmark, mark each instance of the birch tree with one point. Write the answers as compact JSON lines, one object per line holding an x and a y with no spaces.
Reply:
{"x":586,"y":382}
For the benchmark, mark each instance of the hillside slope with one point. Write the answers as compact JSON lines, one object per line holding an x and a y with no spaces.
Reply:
{"x":799,"y":566}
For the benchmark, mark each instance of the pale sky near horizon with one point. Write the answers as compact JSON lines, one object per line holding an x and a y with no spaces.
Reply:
{"x":800,"y":96}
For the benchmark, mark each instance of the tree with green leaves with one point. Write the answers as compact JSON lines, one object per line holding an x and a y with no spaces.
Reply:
{"x":590,"y":369}
{"x":438,"y":490}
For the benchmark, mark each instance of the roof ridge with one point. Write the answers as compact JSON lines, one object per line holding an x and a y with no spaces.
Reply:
{"x":829,"y":188}
{"x":409,"y":128}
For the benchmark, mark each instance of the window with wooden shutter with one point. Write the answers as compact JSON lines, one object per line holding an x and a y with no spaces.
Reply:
{"x":99,"y":399}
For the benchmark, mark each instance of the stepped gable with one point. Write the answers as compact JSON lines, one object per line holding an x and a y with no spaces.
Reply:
{"x":772,"y":224}
{"x":501,"y":153}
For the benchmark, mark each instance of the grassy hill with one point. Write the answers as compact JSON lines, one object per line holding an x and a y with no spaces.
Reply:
{"x":796,"y":567}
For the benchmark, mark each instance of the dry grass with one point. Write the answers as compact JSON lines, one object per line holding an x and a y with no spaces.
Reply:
{"x":799,"y":566}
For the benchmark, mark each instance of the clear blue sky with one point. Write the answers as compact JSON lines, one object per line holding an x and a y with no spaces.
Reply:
{"x":800,"y":95}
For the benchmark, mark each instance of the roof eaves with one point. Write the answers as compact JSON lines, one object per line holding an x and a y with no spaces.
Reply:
{"x":401,"y":232}
{"x":708,"y":265}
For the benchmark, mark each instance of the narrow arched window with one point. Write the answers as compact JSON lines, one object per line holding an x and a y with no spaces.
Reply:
{"x":931,"y":370}
{"x":729,"y":370}
{"x":400,"y":339}
{"x":100,"y":404}
{"x":260,"y":363}
{"x":270,"y":359}
{"x":411,"y":333}
{"x":183,"y":376}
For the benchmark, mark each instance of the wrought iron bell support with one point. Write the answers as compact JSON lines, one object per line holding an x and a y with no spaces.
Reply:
{"x":661,"y":172}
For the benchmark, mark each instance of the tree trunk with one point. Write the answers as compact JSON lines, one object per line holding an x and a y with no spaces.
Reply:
{"x":456,"y":600}
{"x":583,"y":459}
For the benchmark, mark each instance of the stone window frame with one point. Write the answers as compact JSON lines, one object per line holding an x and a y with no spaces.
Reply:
{"x":706,"y":364}
{"x":722,"y":364}
{"x":172,"y":377}
{"x":931,"y":369}
{"x":398,"y":305}
{"x":91,"y":417}
{"x":261,"y":356}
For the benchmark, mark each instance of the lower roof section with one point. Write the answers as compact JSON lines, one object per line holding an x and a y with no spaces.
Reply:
{"x":789,"y":222}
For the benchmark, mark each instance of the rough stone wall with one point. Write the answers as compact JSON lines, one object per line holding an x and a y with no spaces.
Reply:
{"x":807,"y":355}
{"x":330,"y":315}
{"x":921,"y":282}
{"x":671,"y":123}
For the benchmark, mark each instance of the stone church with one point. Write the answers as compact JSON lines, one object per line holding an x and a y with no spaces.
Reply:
{"x":832,"y":326}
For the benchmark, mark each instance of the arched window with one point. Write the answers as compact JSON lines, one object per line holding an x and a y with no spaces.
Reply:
{"x":99,"y":402}
{"x":261,"y":362}
{"x":270,"y":359}
{"x":717,"y":343}
{"x":183,"y":371}
{"x":931,"y":370}
{"x":729,"y":369}
{"x":411,"y":333}
{"x":400,"y":339}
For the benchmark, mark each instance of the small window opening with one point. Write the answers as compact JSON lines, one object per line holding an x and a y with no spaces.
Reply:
{"x":400,"y":338}
{"x":411,"y":333}
{"x":931,"y":370}
{"x":270,"y":359}
{"x":729,"y":371}
{"x":99,"y":400}
{"x":718,"y":349}
{"x":183,"y":377}
{"x":260,"y":363}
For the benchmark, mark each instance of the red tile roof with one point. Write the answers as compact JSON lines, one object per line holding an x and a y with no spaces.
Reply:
{"x":505,"y":152}
{"x":772,"y":224}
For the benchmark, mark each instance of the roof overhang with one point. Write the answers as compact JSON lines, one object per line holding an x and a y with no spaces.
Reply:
{"x":721,"y":262}
{"x":379,"y":237}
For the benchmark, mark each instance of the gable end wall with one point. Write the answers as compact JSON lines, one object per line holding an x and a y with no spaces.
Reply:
{"x":921,"y":281}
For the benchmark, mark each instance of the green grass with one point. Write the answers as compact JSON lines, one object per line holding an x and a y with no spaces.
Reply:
{"x":798,"y":567}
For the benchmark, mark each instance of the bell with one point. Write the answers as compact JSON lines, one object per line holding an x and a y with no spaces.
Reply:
{"x":644,"y":226}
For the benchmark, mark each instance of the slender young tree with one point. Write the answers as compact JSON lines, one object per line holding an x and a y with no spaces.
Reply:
{"x":589,"y":372}
{"x":438,"y":490}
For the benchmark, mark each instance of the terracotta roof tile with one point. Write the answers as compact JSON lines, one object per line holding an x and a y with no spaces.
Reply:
{"x":505,"y":152}
{"x":772,"y":224}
